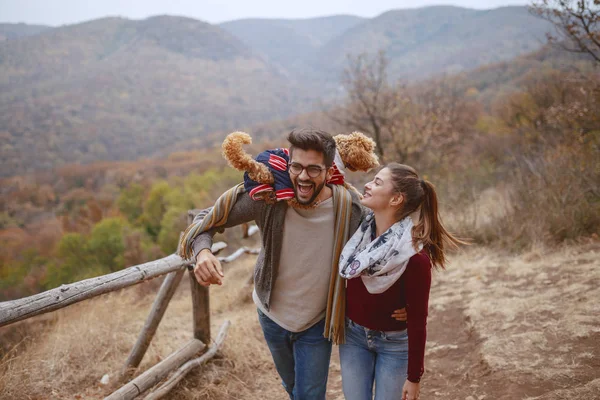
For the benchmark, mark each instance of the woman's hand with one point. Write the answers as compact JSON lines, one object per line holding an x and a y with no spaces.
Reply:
{"x":411,"y":390}
{"x":399,"y":314}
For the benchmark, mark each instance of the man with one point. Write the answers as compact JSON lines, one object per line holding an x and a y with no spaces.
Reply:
{"x":299,"y":297}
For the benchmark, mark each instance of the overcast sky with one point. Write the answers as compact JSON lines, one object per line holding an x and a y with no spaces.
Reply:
{"x":59,"y":12}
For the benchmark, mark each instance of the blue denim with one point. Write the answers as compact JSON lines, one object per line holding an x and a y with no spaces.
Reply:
{"x":301,"y":358}
{"x":373,"y":357}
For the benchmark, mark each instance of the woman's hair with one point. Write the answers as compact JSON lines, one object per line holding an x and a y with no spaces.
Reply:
{"x":429,"y":230}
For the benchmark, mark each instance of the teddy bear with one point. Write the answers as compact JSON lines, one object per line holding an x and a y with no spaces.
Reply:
{"x":266,"y":176}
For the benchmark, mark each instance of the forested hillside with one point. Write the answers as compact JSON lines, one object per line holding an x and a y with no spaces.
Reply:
{"x":433,"y":40}
{"x":117,"y":89}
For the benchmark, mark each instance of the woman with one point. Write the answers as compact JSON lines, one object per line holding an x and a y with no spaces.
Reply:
{"x":392,"y":253}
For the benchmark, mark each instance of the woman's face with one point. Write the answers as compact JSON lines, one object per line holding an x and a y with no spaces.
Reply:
{"x":379,"y":193}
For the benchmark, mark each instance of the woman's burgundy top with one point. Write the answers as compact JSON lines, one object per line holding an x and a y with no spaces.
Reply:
{"x":374,"y":311}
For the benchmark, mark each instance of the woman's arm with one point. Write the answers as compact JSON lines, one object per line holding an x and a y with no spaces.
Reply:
{"x":417,"y":284}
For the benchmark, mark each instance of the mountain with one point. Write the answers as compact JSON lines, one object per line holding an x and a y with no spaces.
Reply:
{"x":442,"y":39}
{"x":290,"y":43}
{"x":419,"y":42}
{"x":14,"y":31}
{"x":117,"y":89}
{"x":494,"y":81}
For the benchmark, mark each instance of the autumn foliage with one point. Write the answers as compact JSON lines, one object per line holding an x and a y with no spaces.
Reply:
{"x":85,"y":221}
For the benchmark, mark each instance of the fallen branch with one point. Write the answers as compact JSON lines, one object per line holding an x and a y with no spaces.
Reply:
{"x":188,"y":366}
{"x":157,"y":373}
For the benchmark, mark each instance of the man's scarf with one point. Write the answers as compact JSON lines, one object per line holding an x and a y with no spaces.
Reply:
{"x":217,"y":216}
{"x":336,"y":299}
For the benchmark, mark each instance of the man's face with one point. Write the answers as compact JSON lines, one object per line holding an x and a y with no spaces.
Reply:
{"x":307,"y":188}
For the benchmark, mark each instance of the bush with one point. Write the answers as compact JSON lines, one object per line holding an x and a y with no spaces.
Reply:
{"x":107,"y":244}
{"x":546,"y":182}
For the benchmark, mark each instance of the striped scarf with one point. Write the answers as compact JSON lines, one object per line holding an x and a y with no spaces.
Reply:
{"x":217,"y":216}
{"x":336,"y":299}
{"x":336,"y":302}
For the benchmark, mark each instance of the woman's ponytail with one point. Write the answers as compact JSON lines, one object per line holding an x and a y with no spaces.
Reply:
{"x":430,"y":230}
{"x":420,"y":195}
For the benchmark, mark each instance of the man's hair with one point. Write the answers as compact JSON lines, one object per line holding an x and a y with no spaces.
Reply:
{"x":313,"y":139}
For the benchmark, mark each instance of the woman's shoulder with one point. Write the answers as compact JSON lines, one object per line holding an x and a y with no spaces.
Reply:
{"x":420,"y":260}
{"x":419,"y":268}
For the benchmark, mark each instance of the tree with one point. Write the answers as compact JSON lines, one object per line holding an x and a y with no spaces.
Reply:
{"x":577,"y":23}
{"x":130,"y":202}
{"x":172,"y":224}
{"x":73,"y":262}
{"x":107,"y":244}
{"x":372,"y":102}
{"x":436,"y":119}
{"x":420,"y":125}
{"x":155,"y":207}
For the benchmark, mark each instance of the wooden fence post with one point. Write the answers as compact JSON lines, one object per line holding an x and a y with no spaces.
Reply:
{"x":165,"y":293}
{"x":200,"y":303}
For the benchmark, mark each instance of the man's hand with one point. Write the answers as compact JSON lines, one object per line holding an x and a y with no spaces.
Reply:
{"x":208,"y":269}
{"x":411,"y":390}
{"x":400,"y":314}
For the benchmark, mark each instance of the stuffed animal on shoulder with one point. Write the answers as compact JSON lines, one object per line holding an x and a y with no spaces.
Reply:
{"x":267,"y":178}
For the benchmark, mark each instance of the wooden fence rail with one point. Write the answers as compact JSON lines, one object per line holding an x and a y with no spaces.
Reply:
{"x":165,"y":293}
{"x":65,"y":295}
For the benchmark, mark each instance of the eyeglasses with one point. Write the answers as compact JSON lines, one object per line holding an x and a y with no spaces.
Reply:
{"x":312,"y":170}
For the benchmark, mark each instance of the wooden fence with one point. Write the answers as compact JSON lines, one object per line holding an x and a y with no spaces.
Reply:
{"x":181,"y":361}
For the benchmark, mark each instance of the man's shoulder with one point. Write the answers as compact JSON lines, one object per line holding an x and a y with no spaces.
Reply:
{"x":242,"y":207}
{"x":357,"y":206}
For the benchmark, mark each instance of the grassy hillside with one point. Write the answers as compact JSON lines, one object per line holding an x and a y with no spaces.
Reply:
{"x":116,"y":89}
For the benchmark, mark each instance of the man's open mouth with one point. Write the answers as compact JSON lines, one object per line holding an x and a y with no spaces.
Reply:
{"x":305,"y":188}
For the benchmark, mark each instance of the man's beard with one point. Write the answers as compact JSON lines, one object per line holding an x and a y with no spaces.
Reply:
{"x":310,"y":201}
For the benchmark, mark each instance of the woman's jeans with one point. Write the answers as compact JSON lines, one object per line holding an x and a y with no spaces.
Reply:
{"x":373,"y":357}
{"x":301,"y":358}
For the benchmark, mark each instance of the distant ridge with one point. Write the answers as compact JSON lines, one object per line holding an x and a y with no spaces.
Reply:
{"x":15,"y":31}
{"x":441,"y":39}
{"x":291,"y":43}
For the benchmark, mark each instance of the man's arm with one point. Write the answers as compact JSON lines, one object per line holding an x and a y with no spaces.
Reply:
{"x":208,"y":268}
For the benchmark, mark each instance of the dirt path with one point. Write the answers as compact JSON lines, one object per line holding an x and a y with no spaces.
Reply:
{"x":507,"y":327}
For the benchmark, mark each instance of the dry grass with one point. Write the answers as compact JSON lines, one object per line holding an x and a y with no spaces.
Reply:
{"x":68,"y":358}
{"x":501,"y":326}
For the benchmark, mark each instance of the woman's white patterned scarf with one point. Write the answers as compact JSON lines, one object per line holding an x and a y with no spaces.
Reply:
{"x":379,"y":262}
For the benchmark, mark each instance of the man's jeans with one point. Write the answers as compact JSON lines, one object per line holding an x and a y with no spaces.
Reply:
{"x":377,"y":356}
{"x":301,"y":358}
